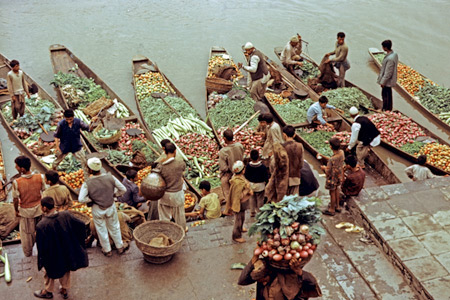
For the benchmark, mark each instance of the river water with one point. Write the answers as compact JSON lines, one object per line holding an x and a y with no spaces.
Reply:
{"x":178,"y":35}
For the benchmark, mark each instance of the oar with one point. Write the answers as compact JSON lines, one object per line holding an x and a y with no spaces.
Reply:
{"x":136,"y":132}
{"x":246,"y":122}
{"x":45,"y":136}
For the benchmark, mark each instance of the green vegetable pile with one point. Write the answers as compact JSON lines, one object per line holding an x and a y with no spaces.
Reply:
{"x":344,"y":98}
{"x":156,"y":112}
{"x":79,"y":91}
{"x":309,"y":71}
{"x":117,"y":157}
{"x":138,"y":145}
{"x":435,"y":98}
{"x":318,"y":139}
{"x":379,"y":57}
{"x":412,"y":148}
{"x":104,"y":133}
{"x":295,"y":111}
{"x":69,"y":164}
{"x":181,"y":106}
{"x":291,"y":209}
{"x":230,"y":113}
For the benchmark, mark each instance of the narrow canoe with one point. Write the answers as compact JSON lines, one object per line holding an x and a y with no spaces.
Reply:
{"x":63,"y":60}
{"x":137,"y":65}
{"x":413,"y":100}
{"x":6,"y":99}
{"x":377,"y":103}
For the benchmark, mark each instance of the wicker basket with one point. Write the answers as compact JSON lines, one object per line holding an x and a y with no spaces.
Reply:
{"x":116,"y":137}
{"x":284,"y":264}
{"x":191,"y":208}
{"x":80,"y":216}
{"x":145,"y":232}
{"x":220,"y":85}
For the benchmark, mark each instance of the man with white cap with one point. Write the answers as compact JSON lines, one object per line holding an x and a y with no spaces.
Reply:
{"x":364,"y":133}
{"x":290,"y":56}
{"x":258,"y":72}
{"x":100,"y":189}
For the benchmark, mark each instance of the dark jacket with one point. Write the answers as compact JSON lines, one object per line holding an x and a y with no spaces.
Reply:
{"x":256,"y":173}
{"x":131,"y":196}
{"x":262,"y":66}
{"x":60,"y":242}
{"x":368,"y":130}
{"x":70,"y":139}
{"x":308,"y":183}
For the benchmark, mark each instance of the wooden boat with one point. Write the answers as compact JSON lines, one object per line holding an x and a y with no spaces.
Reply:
{"x":6,"y":99}
{"x":63,"y":60}
{"x":377,"y":103}
{"x":142,"y":63}
{"x":411,"y":98}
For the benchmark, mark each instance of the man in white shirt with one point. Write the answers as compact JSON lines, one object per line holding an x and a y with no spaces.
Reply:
{"x":365,"y":134}
{"x":290,"y":56}
{"x":419,"y":171}
{"x":17,"y":88}
{"x":258,"y":72}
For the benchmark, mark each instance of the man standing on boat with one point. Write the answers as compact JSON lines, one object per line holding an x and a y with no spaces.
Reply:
{"x":258,"y":72}
{"x":68,"y":139}
{"x":340,"y":61}
{"x":388,"y":74}
{"x":364,"y":133}
{"x":17,"y":88}
{"x":290,"y":56}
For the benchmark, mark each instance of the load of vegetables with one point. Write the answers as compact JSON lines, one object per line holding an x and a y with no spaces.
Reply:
{"x":181,"y":106}
{"x":69,"y":164}
{"x":276,"y":98}
{"x":396,"y":129}
{"x":219,"y":61}
{"x":230,"y":113}
{"x":73,"y":179}
{"x":104,"y":133}
{"x":82,"y":208}
{"x":142,"y":173}
{"x":148,"y":83}
{"x":214,"y":98}
{"x":118,"y":157}
{"x":318,"y":140}
{"x":246,"y":136}
{"x":437,"y":155}
{"x":294,"y":111}
{"x":436,"y":99}
{"x":288,"y":229}
{"x":156,"y":113}
{"x":189,"y":200}
{"x":180,"y":126}
{"x":345,"y":98}
{"x":412,"y":148}
{"x":126,"y":141}
{"x":309,"y":71}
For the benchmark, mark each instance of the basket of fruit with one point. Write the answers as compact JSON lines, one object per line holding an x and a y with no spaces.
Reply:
{"x":288,"y":229}
{"x":190,"y":199}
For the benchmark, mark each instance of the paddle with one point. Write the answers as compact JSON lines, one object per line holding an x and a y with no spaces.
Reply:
{"x":246,"y":122}
{"x":136,"y":132}
{"x":45,"y":136}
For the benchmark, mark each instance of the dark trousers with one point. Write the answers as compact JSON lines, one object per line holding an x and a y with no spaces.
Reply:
{"x":239,"y":219}
{"x":386,"y":93}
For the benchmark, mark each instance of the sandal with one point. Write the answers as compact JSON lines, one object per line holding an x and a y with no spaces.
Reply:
{"x":63,"y":292}
{"x":43,"y":294}
{"x":338,"y":210}
{"x":328,"y":213}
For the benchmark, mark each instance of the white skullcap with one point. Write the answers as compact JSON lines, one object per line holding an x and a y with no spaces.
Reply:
{"x":294,"y":39}
{"x":353,"y":111}
{"x":94,"y":164}
{"x":248,"y":45}
{"x":238,"y":166}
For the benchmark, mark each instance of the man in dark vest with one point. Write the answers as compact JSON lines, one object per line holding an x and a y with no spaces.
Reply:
{"x":258,"y":72}
{"x":60,"y":242}
{"x":99,"y":189}
{"x":364,"y":134}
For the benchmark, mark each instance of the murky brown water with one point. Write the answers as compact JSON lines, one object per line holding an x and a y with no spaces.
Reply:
{"x":178,"y":35}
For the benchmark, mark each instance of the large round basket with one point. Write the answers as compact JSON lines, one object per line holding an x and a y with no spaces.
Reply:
{"x":111,"y":140}
{"x":145,"y":232}
{"x":191,"y":208}
{"x":284,"y":264}
{"x":80,"y":216}
{"x":220,"y":85}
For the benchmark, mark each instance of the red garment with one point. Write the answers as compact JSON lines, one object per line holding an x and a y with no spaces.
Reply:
{"x":30,"y":191}
{"x":353,"y":182}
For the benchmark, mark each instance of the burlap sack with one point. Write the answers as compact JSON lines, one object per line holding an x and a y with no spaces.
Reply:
{"x":7,"y":219}
{"x":161,"y":240}
{"x":94,"y":108}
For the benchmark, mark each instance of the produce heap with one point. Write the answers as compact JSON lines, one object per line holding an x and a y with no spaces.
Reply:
{"x":276,"y":98}
{"x":230,"y":113}
{"x":309,"y":71}
{"x":214,"y":98}
{"x":411,"y":80}
{"x":294,"y":111}
{"x":437,"y":155}
{"x":345,"y":98}
{"x":246,"y":136}
{"x":436,"y":99}
{"x":318,"y":138}
{"x":396,"y":129}
{"x":288,"y":229}
{"x":148,"y":83}
{"x":219,"y":61}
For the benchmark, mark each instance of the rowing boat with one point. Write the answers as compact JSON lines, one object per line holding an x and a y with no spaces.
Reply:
{"x":159,"y":95}
{"x":376,"y":56}
{"x":377,"y":103}
{"x":14,"y":133}
{"x":64,"y":61}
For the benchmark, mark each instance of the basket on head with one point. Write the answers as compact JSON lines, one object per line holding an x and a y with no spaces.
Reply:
{"x":114,"y":138}
{"x":145,"y":232}
{"x":191,"y":208}
{"x":219,"y":85}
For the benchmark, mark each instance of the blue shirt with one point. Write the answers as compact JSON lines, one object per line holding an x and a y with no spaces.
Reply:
{"x":131,"y":196}
{"x":316,"y":110}
{"x":70,"y":137}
